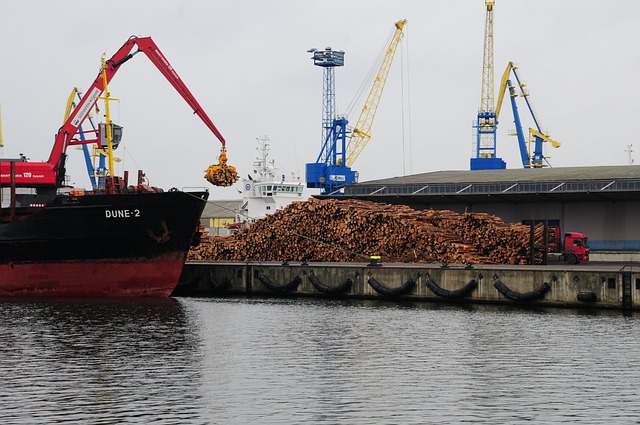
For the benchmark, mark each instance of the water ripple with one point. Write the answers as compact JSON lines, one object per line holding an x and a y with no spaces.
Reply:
{"x":238,"y":361}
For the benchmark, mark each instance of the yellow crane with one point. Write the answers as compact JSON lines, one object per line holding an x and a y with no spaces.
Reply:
{"x":484,"y":146}
{"x":101,"y":136}
{"x":332,"y":169}
{"x":361,"y":133}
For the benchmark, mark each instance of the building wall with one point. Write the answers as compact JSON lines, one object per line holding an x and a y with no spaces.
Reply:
{"x":217,"y":226}
{"x":608,"y":225}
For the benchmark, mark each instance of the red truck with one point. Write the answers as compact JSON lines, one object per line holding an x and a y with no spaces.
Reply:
{"x":572,"y":249}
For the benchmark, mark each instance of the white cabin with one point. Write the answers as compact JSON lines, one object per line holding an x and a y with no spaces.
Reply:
{"x":266,"y":190}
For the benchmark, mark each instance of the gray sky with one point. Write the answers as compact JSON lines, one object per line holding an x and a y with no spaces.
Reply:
{"x":247,"y":64}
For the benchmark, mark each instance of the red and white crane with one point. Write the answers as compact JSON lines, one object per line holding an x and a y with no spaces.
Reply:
{"x":52,"y":172}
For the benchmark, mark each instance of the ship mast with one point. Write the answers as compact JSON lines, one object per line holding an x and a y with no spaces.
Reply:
{"x":262,"y":167}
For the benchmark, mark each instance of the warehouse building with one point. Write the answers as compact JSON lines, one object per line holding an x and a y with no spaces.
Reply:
{"x":218,"y":215}
{"x":602,"y":202}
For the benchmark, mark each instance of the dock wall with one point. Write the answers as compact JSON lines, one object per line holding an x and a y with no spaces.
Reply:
{"x":581,"y":286}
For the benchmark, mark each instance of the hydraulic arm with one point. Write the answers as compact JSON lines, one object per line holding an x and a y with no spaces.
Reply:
{"x":96,"y":176}
{"x":52,"y":172}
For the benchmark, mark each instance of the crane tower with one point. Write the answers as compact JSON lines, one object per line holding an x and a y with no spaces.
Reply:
{"x":329,"y":172}
{"x":328,"y":59}
{"x":484,"y":150}
{"x":332,"y":169}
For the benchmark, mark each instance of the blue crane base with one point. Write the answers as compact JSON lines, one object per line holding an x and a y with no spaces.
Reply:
{"x":329,"y":177}
{"x":488,"y":164}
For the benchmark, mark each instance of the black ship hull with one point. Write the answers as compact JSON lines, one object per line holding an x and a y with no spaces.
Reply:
{"x":98,"y":245}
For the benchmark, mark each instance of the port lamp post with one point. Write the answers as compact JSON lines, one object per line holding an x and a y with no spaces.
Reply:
{"x":328,"y":59}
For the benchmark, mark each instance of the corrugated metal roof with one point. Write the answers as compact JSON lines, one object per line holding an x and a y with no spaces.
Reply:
{"x":513,"y":185}
{"x":515,"y":175}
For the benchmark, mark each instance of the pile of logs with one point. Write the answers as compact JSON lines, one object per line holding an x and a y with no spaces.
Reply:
{"x":353,"y":231}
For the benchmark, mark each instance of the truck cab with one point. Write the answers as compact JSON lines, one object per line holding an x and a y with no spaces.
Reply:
{"x":575,"y":247}
{"x":570,"y":248}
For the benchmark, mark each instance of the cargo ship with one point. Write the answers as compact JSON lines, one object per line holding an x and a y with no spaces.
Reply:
{"x":127,"y":244}
{"x":115,"y":239}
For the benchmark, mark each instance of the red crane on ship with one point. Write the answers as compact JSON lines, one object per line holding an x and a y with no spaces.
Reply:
{"x":51,"y":174}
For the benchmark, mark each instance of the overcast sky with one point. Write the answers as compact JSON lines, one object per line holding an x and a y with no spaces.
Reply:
{"x":247,"y":64}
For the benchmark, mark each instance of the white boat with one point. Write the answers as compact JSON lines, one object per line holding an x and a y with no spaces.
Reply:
{"x":266,"y":190}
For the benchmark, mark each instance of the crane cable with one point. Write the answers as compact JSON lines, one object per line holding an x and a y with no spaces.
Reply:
{"x":368,"y":79}
{"x":405,"y":104}
{"x":405,"y":58}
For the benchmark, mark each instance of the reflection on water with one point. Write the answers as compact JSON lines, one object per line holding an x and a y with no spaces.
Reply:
{"x":97,"y":361}
{"x":317,"y":361}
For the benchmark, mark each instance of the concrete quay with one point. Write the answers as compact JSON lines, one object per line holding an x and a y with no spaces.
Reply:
{"x":589,"y":285}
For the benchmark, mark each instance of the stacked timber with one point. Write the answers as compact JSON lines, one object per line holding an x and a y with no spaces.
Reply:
{"x":353,"y":230}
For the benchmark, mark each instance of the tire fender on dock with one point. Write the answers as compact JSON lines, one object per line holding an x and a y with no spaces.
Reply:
{"x":203,"y":280}
{"x":405,"y":288}
{"x":207,"y":279}
{"x":536,"y":294}
{"x":445,"y":293}
{"x":588,"y":297}
{"x":287,"y":287}
{"x":343,"y":287}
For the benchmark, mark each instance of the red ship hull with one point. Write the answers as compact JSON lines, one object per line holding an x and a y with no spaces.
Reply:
{"x":128,"y":278}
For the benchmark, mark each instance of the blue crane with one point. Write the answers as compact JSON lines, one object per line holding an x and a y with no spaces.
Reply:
{"x":330,"y":172}
{"x":341,"y":145}
{"x":531,"y":158}
{"x":484,"y":146}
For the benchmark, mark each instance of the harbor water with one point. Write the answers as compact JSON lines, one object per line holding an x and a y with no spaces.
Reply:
{"x":292,"y":361}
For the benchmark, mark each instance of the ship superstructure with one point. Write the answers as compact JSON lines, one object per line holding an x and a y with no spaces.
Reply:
{"x":266,"y":190}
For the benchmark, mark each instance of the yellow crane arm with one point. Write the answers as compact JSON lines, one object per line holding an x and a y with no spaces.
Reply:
{"x":535,"y":133}
{"x":361,"y":133}
{"x":70,"y":102}
{"x":503,"y":87}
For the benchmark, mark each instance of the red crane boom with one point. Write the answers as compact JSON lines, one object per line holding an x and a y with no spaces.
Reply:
{"x":50,"y":173}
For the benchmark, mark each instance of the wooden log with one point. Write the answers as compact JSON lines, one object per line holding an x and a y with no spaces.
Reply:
{"x":350,"y":230}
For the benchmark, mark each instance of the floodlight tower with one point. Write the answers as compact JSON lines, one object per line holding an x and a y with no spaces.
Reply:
{"x":328,"y":59}
{"x":329,"y":172}
{"x":484,"y":152}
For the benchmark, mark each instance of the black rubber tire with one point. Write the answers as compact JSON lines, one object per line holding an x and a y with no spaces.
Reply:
{"x":572,"y":259}
{"x":587,"y":297}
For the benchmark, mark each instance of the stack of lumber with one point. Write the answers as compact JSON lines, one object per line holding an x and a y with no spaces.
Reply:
{"x":352,"y":231}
